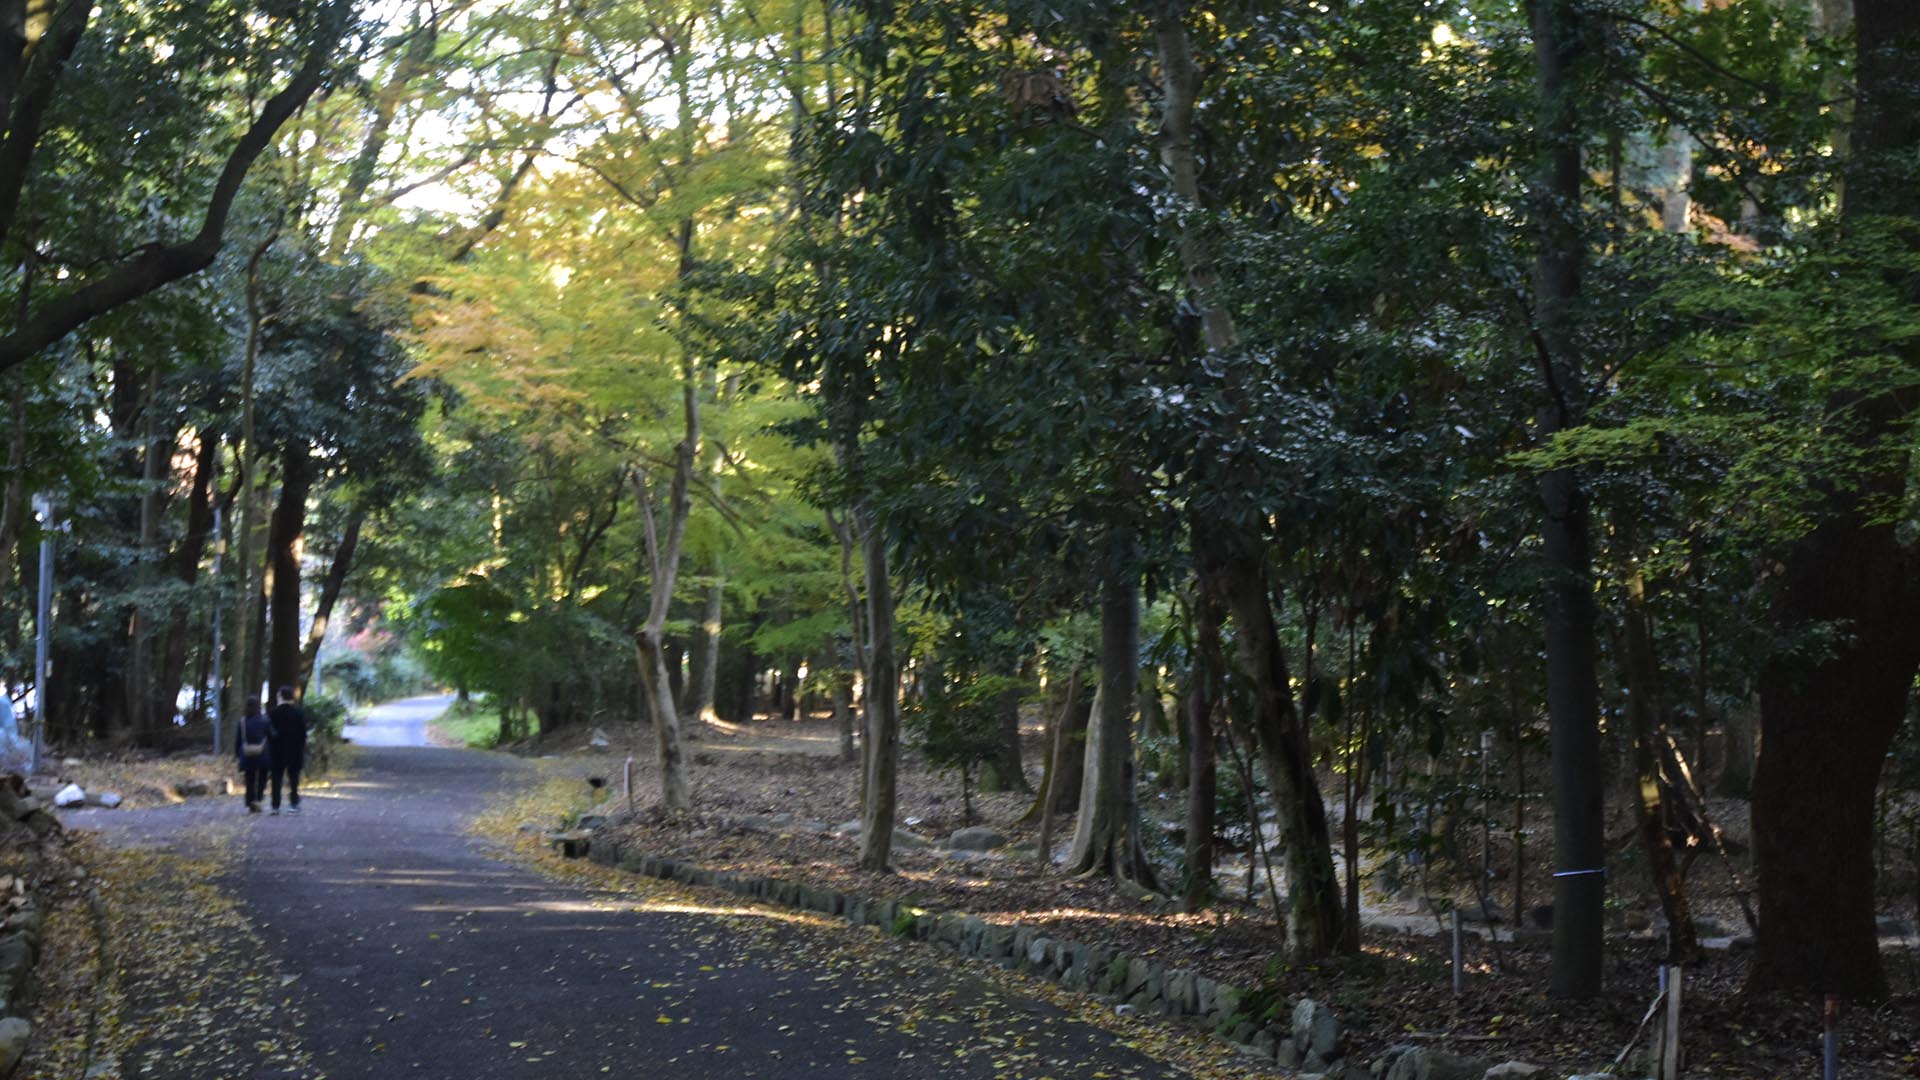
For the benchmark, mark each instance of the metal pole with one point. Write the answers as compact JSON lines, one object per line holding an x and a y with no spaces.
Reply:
{"x":43,"y":626}
{"x":219,"y":683}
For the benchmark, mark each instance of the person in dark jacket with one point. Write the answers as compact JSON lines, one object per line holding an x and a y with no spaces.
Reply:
{"x":289,"y":747}
{"x":253,"y":749}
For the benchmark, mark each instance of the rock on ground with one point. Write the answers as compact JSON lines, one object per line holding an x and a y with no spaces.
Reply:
{"x":977,"y":838}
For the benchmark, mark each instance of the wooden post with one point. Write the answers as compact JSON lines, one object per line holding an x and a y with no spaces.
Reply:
{"x":1673,"y":976}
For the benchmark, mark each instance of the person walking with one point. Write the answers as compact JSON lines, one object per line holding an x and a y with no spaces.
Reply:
{"x":253,"y":749}
{"x":289,"y":747}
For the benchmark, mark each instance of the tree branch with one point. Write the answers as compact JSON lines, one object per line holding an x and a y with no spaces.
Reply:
{"x":27,"y":96}
{"x":167,"y":263}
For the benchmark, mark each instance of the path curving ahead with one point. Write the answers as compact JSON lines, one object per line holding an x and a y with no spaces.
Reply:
{"x":398,"y":723}
{"x":406,"y":948}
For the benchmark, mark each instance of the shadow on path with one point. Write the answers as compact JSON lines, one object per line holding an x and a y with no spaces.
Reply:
{"x":411,"y":949}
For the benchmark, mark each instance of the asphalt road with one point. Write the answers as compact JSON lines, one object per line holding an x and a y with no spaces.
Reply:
{"x":412,"y":950}
{"x":398,"y":723}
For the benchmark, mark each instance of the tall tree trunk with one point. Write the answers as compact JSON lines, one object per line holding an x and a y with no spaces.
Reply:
{"x":663,"y":557}
{"x":1278,"y":731}
{"x":284,"y":665}
{"x":1106,"y":835}
{"x":1572,"y":693}
{"x":260,"y":589}
{"x":143,"y":718}
{"x":185,"y":567}
{"x":330,"y":589}
{"x":1070,"y":758}
{"x":880,"y":789}
{"x":1643,"y":717}
{"x":246,"y":453}
{"x":1235,"y":566}
{"x":1203,"y":690}
{"x":1828,"y":720}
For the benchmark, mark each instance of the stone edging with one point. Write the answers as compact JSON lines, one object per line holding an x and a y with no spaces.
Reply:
{"x":22,"y":931}
{"x":1308,"y":1038}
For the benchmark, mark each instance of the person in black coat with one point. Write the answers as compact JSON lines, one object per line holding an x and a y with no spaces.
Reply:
{"x":289,"y":748}
{"x":253,"y":750}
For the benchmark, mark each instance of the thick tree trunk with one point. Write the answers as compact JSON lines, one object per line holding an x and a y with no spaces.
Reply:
{"x":1235,"y":565}
{"x":880,"y":790}
{"x":1106,"y":837}
{"x":1827,"y":721}
{"x":284,"y":665}
{"x":330,"y":588}
{"x":1572,"y":694}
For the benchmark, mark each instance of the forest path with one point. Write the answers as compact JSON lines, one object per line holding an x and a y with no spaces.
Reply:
{"x":398,"y":723}
{"x":394,"y":942}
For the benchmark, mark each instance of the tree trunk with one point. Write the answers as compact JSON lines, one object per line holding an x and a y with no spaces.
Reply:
{"x":185,"y":567}
{"x":705,"y":648}
{"x":1235,"y":566}
{"x":330,"y":588}
{"x":1737,"y":754}
{"x":143,"y":716}
{"x":1005,"y":771}
{"x":1572,"y":694}
{"x":1643,"y":716}
{"x":843,"y":718}
{"x":1202,"y":780}
{"x":1828,"y":720}
{"x":880,"y":790}
{"x":676,"y":657}
{"x":284,"y":654}
{"x":246,"y":453}
{"x":1106,"y":837}
{"x":1070,"y":767}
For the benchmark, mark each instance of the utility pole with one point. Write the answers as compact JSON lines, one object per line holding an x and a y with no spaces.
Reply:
{"x":43,"y":626}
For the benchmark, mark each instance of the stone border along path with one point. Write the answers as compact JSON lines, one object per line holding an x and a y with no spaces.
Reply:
{"x":22,"y":931}
{"x":1313,"y":1042}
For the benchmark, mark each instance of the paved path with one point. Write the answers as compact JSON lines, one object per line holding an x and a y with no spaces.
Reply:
{"x":411,"y":951}
{"x":398,"y":723}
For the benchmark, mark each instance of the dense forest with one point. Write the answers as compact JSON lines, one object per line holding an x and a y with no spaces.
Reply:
{"x":1446,"y":405}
